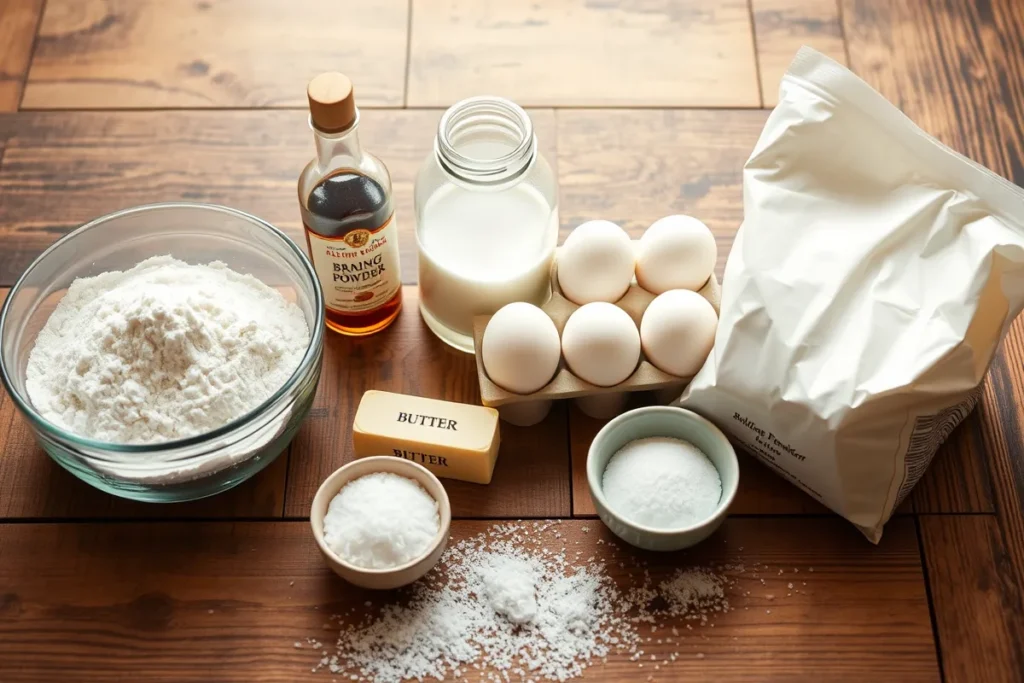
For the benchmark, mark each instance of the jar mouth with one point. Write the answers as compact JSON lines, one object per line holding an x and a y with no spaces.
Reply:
{"x":485,"y":141}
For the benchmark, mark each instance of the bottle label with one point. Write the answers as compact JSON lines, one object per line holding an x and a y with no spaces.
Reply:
{"x":360,"y":271}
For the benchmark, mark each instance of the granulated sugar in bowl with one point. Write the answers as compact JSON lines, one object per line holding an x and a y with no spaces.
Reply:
{"x":166,"y":352}
{"x":381,"y":522}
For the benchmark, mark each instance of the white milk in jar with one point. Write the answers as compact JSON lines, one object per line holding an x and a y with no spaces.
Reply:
{"x":487,"y":218}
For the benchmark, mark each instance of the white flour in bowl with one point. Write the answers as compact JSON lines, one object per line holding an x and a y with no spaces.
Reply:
{"x":163,"y":351}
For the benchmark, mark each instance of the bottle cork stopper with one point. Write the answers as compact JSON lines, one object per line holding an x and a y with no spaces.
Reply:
{"x":332,"y":105}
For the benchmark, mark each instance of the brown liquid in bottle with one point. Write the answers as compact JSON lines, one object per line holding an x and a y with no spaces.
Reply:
{"x":341,"y":203}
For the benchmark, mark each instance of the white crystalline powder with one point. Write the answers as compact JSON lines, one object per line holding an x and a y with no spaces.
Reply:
{"x":464,"y":619}
{"x":510,"y":585}
{"x":662,"y":483}
{"x":163,"y":351}
{"x":381,"y":520}
{"x":504,"y":606}
{"x":693,"y":591}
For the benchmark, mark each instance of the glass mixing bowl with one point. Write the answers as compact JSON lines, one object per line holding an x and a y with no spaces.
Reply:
{"x":199,"y":466}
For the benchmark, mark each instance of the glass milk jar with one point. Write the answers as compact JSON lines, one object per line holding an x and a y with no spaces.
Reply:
{"x":486,"y":217}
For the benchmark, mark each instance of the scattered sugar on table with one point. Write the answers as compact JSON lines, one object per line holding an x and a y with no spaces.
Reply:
{"x":381,"y":520}
{"x":662,"y":483}
{"x":503,"y":604}
{"x":551,"y":631}
{"x":510,"y":586}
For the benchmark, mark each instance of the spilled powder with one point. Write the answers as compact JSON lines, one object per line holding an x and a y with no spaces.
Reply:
{"x":502,"y":606}
{"x":510,"y":586}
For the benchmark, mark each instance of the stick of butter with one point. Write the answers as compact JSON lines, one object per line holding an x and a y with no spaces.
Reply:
{"x":454,"y":440}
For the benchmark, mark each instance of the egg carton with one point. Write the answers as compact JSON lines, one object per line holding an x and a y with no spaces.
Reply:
{"x":596,"y":401}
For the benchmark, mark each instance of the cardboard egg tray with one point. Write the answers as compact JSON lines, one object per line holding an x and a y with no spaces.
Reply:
{"x":597,"y":401}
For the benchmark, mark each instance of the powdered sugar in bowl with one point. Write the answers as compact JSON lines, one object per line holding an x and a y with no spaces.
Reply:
{"x":188,"y":455}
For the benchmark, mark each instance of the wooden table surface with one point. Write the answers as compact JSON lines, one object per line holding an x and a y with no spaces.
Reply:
{"x":646,"y":107}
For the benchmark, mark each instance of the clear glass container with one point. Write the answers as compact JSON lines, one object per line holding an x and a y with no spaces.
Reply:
{"x":486,"y":218}
{"x":197,"y":466}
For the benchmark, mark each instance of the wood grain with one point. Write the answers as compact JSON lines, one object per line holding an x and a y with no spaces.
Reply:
{"x":1003,"y":439}
{"x":761,"y":491}
{"x":82,"y":165}
{"x":955,"y":67}
{"x":201,"y":601}
{"x":532,"y":475}
{"x":213,"y":53}
{"x":584,"y":53}
{"x":18,"y":21}
{"x":635,"y":166}
{"x":781,"y":27}
{"x":227,"y":601}
{"x":976,"y":598}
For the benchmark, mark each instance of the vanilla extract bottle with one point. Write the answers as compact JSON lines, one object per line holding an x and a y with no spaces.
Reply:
{"x":348,"y":213}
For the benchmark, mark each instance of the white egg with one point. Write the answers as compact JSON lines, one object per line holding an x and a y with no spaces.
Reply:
{"x":520,"y":348}
{"x":601,"y":344}
{"x":676,"y":252}
{"x":596,"y":263}
{"x":678,"y":331}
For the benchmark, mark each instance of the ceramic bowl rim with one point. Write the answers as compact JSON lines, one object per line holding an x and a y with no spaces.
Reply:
{"x":594,"y":477}
{"x":330,"y":487}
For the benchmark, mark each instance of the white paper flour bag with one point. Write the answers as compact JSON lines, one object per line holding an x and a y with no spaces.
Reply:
{"x":874,"y":275}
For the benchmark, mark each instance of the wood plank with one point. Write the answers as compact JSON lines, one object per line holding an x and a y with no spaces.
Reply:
{"x":84,"y":164}
{"x":956,"y":68}
{"x":213,"y":53}
{"x":635,"y":166}
{"x":584,"y":53}
{"x":976,"y":598}
{"x":532,"y":475}
{"x":781,"y":27}
{"x":18,"y":22}
{"x":227,"y":602}
{"x":761,"y":491}
{"x":1003,"y":439}
{"x":113,"y":160}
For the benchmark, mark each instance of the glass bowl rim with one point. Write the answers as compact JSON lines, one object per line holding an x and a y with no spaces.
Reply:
{"x":315,"y":341}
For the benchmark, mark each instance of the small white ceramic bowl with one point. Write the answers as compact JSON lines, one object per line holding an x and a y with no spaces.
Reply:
{"x":677,"y":423}
{"x":396,"y":576}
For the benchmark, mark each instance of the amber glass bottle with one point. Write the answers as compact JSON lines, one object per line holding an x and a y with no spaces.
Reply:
{"x":348,"y":212}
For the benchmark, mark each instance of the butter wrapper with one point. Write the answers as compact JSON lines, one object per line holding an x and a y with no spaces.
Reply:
{"x":452,"y":440}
